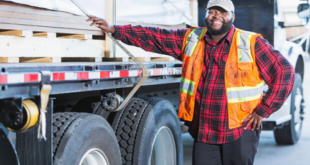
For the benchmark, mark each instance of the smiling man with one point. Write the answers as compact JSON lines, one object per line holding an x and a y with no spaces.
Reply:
{"x":221,"y":91}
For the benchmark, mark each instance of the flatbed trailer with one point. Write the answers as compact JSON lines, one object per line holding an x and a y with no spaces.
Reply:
{"x":24,"y":80}
{"x":21,"y":82}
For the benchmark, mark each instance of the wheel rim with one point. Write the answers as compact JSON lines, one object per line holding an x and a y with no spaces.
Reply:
{"x":94,"y":157}
{"x":298,"y":110}
{"x":163,"y":148}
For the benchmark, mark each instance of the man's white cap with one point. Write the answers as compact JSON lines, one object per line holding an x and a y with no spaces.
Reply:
{"x":225,"y":4}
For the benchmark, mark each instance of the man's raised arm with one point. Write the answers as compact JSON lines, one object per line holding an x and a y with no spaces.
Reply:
{"x":152,"y":39}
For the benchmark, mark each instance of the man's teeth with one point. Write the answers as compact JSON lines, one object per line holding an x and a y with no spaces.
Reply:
{"x":217,"y":22}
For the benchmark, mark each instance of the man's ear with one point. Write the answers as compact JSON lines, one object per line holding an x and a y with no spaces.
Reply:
{"x":233,"y":17}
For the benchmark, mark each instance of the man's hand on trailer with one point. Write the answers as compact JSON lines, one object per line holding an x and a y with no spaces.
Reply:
{"x":101,"y":23}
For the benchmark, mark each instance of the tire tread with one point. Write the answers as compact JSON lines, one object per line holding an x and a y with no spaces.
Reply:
{"x":127,"y":128}
{"x":61,"y":122}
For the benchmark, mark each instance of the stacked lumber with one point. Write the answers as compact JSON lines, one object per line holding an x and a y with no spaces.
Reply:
{"x":32,"y":34}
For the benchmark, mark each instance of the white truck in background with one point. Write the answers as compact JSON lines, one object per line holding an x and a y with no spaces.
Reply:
{"x":287,"y":122}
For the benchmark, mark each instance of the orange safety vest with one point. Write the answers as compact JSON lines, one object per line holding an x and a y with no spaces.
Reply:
{"x":244,"y":86}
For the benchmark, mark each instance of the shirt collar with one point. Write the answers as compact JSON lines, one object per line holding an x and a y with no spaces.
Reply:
{"x":228,"y":37}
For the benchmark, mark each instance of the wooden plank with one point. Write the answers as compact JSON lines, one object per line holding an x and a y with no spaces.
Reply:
{"x":49,"y":59}
{"x":76,"y":36}
{"x":142,"y":59}
{"x":11,"y":46}
{"x":176,"y":59}
{"x":9,"y":59}
{"x":74,"y":59}
{"x":118,"y":59}
{"x":26,"y":16}
{"x":82,"y":59}
{"x":20,"y":21}
{"x":14,"y":7}
{"x":39,"y":59}
{"x":145,"y":59}
{"x":162,"y":59}
{"x":19,"y":33}
{"x":7,"y":26}
{"x":44,"y":34}
{"x":23,"y":17}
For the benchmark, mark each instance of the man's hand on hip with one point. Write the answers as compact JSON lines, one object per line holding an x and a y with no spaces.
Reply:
{"x":255,"y":119}
{"x":101,"y":23}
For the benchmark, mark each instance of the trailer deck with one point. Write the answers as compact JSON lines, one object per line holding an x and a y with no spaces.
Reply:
{"x":24,"y":80}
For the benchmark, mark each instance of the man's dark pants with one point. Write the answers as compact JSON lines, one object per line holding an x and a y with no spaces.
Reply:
{"x":239,"y":152}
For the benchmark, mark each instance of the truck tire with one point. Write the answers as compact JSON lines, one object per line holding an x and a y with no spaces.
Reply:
{"x":148,"y":132}
{"x":83,"y":139}
{"x":290,"y":132}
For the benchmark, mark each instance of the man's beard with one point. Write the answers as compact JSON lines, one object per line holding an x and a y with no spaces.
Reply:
{"x":225,"y":28}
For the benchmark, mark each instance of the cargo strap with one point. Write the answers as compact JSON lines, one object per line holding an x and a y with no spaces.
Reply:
{"x":144,"y":75}
{"x":44,"y":95}
{"x":145,"y":70}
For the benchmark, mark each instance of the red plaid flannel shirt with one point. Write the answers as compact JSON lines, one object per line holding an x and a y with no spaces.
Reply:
{"x":210,"y":122}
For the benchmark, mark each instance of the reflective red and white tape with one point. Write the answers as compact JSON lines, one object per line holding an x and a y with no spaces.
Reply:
{"x":88,"y":75}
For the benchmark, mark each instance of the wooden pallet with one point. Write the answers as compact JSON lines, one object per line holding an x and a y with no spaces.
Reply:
{"x":33,"y":46}
{"x":27,"y":21}
{"x":31,"y":34}
{"x":141,"y":59}
{"x":18,"y":16}
{"x":48,"y":59}
{"x":82,"y":59}
{"x":28,"y":46}
{"x":48,"y":46}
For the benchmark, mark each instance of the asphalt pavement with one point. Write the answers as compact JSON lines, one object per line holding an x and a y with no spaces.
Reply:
{"x":269,"y":153}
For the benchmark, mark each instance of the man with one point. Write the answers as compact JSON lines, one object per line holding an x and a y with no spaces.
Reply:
{"x":224,"y":69}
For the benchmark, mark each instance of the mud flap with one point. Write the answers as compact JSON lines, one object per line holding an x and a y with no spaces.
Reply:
{"x":8,"y":154}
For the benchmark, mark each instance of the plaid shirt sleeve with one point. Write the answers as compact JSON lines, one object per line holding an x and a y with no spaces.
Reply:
{"x":151,"y":39}
{"x":279,"y":75}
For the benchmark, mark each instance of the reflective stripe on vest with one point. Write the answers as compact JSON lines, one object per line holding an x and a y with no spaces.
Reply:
{"x":244,"y":47}
{"x":242,"y":94}
{"x":187,"y":86}
{"x":193,"y":39}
